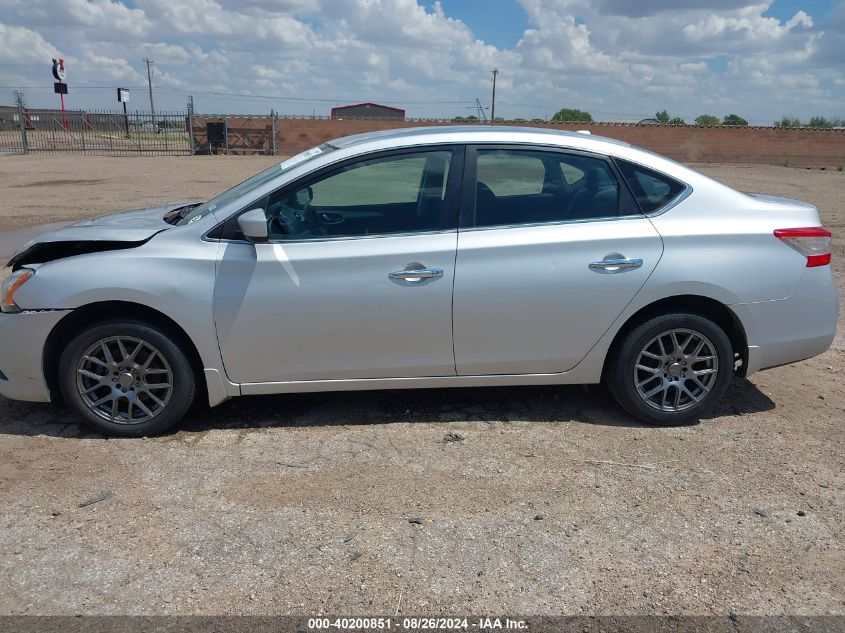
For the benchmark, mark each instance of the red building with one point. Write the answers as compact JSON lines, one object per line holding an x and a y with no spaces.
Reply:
{"x":367,"y":111}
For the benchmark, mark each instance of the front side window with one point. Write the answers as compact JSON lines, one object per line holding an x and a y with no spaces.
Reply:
{"x":528,"y":187}
{"x":651,"y":189}
{"x":402,"y":193}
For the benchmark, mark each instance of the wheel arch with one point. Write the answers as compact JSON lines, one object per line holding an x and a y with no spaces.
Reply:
{"x":94,"y":313}
{"x":703,"y":306}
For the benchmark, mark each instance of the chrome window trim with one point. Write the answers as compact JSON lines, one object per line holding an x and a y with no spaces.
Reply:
{"x":638,"y":216}
{"x":610,"y":159}
{"x":456,"y":149}
{"x":673,"y":202}
{"x":336,"y":238}
{"x":683,"y":195}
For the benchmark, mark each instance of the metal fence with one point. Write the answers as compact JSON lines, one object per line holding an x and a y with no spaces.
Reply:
{"x":110,"y":133}
{"x":234,"y":134}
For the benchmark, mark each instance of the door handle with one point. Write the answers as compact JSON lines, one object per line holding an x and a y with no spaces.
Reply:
{"x":416,"y":275}
{"x":611,"y":266}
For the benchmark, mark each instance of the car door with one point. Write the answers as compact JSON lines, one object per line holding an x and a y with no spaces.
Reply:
{"x":356,"y":279}
{"x":551,"y":249}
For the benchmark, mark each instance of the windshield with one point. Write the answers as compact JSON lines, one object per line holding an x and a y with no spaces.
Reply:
{"x":193,"y":214}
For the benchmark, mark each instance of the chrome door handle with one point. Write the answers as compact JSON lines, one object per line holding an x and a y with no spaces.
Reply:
{"x":417,"y":275}
{"x":610,"y":266}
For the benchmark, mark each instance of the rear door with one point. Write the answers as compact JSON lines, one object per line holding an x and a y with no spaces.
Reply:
{"x":551,"y":249}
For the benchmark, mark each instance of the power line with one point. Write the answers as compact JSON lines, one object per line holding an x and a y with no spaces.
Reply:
{"x":240,"y":95}
{"x":417,"y":103}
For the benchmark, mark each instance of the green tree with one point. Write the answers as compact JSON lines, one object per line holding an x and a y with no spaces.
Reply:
{"x":788,"y":122}
{"x":707,"y":119}
{"x":734,"y":119}
{"x":664,"y":118}
{"x":820,"y":121}
{"x":571,"y":115}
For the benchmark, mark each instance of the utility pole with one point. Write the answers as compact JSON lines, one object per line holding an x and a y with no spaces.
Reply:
{"x":148,"y":62}
{"x":21,"y":104}
{"x":495,"y":72}
{"x":191,"y":123}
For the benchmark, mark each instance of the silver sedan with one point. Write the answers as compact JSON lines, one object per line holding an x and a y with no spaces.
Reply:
{"x":432,"y":257}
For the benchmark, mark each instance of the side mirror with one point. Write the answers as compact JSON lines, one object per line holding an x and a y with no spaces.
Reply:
{"x":254,"y":225}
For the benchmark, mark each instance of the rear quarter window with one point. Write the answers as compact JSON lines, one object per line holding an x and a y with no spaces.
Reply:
{"x":651,"y":189}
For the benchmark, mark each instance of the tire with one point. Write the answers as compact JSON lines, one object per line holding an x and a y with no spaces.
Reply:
{"x":140,"y":377}
{"x":665,"y":389}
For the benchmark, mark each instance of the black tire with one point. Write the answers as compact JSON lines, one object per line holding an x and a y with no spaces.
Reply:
{"x":622,"y":376}
{"x":172,"y":364}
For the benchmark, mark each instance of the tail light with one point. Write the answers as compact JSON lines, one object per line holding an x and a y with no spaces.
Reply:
{"x":813,"y":243}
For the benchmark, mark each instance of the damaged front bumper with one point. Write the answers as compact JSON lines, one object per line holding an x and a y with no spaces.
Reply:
{"x":22,"y":339}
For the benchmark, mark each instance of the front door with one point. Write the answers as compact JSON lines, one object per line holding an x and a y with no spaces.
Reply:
{"x":554,"y":249}
{"x":356,"y":280}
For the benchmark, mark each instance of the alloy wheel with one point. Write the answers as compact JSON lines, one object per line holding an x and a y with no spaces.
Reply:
{"x":676,"y":370}
{"x":124,"y":380}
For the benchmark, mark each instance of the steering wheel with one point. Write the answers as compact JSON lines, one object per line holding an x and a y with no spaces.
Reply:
{"x":287,"y":221}
{"x":295,"y":216}
{"x":312,"y":220}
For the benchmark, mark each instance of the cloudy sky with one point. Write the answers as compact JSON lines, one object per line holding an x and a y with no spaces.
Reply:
{"x":618,"y":59}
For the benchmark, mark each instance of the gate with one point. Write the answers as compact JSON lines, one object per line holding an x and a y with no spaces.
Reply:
{"x":234,"y":134}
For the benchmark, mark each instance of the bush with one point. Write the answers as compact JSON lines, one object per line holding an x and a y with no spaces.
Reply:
{"x":820,"y":121}
{"x":788,"y":122}
{"x":664,"y":118}
{"x":734,"y":119}
{"x":707,"y":119}
{"x":571,"y":115}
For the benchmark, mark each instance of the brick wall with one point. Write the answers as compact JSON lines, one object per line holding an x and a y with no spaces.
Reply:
{"x":794,"y":147}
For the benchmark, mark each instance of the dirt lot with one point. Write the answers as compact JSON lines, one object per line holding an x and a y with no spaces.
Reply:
{"x":554,"y":502}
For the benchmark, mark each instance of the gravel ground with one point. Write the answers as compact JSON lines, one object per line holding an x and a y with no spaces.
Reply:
{"x":547,"y":500}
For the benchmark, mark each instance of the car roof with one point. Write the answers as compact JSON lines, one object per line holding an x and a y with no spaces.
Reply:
{"x":475,"y":134}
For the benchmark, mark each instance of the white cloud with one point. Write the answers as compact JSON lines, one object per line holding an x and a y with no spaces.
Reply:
{"x":21,"y":46}
{"x":617,"y":58}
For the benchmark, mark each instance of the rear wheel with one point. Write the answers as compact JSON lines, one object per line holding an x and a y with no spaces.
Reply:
{"x":671,"y":369}
{"x":126,"y":378}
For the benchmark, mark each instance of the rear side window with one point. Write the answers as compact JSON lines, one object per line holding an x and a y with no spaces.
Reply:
{"x":511,"y":173}
{"x":652,"y":190}
{"x":522,"y":186}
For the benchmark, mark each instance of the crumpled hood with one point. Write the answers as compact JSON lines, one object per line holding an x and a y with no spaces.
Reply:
{"x":126,"y":229}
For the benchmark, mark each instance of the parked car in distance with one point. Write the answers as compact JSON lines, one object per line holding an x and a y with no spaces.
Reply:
{"x":430,"y":257}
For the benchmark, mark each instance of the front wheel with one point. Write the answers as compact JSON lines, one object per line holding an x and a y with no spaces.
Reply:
{"x":126,"y":378}
{"x":671,"y":369}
